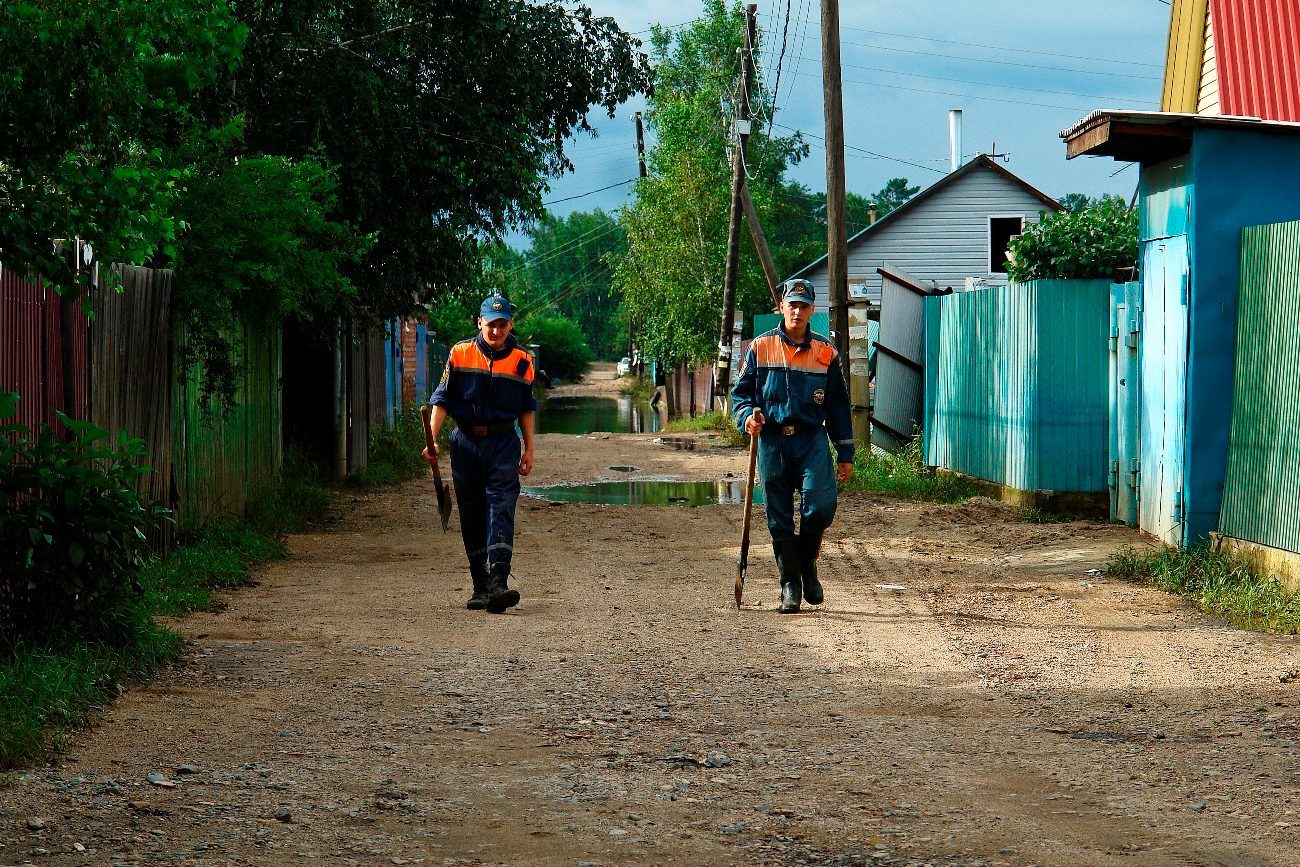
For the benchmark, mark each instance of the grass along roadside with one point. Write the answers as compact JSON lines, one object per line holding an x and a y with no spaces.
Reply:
{"x":904,"y":474}
{"x":49,"y":688}
{"x":1217,"y":583}
{"x":716,"y":422}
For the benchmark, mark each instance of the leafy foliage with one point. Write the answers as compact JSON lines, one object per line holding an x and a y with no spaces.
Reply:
{"x":94,"y":97}
{"x":563,"y":351}
{"x":677,"y":228}
{"x":445,"y":119}
{"x":395,"y":450}
{"x":1091,"y":242}
{"x":1074,"y":202}
{"x":71,"y":530}
{"x":569,"y":271}
{"x":259,"y":246}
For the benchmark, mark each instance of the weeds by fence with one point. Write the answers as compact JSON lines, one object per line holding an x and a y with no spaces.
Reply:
{"x":716,"y":422}
{"x":904,"y":474}
{"x":1217,"y":583}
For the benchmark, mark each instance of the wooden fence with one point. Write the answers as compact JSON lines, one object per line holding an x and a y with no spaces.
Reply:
{"x":33,"y":360}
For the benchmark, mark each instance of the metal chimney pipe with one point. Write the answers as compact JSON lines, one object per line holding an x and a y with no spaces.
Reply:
{"x":954,"y":139}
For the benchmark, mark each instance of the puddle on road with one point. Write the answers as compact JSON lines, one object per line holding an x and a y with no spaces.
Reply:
{"x":584,"y":415}
{"x":621,"y":469}
{"x":684,"y":444}
{"x":647,"y":493}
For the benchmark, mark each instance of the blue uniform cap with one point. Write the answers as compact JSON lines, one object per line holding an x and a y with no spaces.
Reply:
{"x":495,"y":307}
{"x":798,"y":290}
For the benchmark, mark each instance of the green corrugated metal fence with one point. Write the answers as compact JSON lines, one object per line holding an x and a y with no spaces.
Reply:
{"x":223,"y":460}
{"x":1016,"y":384}
{"x":1261,"y":494}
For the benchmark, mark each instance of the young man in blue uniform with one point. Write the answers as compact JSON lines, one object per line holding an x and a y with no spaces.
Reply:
{"x":791,"y":393}
{"x":487,"y":387}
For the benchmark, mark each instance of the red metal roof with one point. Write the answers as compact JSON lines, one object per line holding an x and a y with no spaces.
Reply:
{"x":1257,"y":46}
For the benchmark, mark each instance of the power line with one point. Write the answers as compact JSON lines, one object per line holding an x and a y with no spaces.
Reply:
{"x":1017,"y":49}
{"x":962,"y":95}
{"x":865,"y":151}
{"x":566,"y":247}
{"x":590,"y":192}
{"x":983,"y":83}
{"x":1142,"y":77}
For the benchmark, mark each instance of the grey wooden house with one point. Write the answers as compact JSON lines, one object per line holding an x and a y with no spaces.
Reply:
{"x":957,"y":228}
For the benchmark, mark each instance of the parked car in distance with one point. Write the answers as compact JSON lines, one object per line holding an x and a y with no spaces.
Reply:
{"x":624,"y":366}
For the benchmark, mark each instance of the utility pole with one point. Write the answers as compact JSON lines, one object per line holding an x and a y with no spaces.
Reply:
{"x":640,"y":145}
{"x":722,"y":377}
{"x":837,"y":233}
{"x":640,"y":159}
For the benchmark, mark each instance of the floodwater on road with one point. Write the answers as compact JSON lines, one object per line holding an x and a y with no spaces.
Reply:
{"x":641,"y":492}
{"x":584,"y":415}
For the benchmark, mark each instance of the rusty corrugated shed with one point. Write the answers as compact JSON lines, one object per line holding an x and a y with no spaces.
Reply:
{"x":1257,"y":49}
{"x":1261,"y":491}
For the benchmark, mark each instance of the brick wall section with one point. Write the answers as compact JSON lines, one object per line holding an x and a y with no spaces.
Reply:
{"x":408,"y":361}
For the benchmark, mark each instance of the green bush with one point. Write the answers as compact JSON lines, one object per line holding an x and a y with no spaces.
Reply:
{"x":72,"y":529}
{"x":564,"y":353}
{"x":396,"y":451}
{"x":1090,"y":242}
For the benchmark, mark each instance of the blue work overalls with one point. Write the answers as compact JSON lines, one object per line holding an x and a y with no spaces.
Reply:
{"x":486,"y":392}
{"x":800,"y":389}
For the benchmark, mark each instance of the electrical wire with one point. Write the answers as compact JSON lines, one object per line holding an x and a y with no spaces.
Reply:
{"x":591,"y":192}
{"x":962,"y":95}
{"x":982,"y":83}
{"x":1142,"y":77}
{"x":865,"y":151}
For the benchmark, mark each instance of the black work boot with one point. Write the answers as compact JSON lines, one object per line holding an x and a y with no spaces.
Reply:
{"x":499,"y":596}
{"x":809,"y":546}
{"x":787,"y":563}
{"x":478,"y":570}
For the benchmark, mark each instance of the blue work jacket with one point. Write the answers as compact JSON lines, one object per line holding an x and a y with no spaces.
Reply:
{"x":481,"y":386}
{"x":795,"y":383}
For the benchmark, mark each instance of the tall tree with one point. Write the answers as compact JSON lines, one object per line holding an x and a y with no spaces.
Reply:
{"x":677,"y":228}
{"x":444,"y":119}
{"x":894,"y":193}
{"x":95,"y":99}
{"x":572,"y":262}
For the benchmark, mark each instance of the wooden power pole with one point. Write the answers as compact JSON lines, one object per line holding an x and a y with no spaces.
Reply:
{"x":722,"y":379}
{"x":837,"y":232}
{"x":640,"y":145}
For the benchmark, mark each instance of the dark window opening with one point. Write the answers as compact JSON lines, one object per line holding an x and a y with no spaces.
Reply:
{"x":1001,"y":231}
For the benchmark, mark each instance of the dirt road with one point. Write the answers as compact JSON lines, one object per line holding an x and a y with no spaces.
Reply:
{"x":1006,"y":707}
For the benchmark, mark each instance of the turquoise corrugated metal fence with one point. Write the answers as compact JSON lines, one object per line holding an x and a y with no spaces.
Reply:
{"x":1261,"y":493}
{"x":1016,"y":384}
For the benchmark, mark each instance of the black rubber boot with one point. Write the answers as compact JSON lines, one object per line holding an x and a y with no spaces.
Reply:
{"x":499,"y":595}
{"x":478,"y":570}
{"x":809,"y":547}
{"x":787,"y":563}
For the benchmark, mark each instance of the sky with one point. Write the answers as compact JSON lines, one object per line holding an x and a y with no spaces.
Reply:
{"x":1020,"y":71}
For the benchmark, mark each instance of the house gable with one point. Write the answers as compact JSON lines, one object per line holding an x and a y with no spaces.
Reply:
{"x":942,"y":234}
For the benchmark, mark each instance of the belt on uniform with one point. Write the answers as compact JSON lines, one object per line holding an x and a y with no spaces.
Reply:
{"x":789,"y":430}
{"x":485,"y":430}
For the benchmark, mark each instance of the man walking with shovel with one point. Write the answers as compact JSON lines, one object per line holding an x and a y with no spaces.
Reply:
{"x":487,"y":387}
{"x":790,"y":395}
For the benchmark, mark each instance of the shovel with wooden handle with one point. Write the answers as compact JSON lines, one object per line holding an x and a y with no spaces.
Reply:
{"x":743,"y":565}
{"x":439,"y":486}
